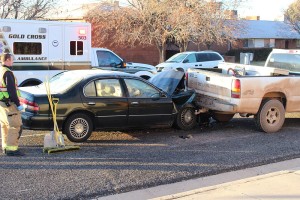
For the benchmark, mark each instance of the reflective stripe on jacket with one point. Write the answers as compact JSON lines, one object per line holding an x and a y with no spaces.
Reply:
{"x":3,"y":89}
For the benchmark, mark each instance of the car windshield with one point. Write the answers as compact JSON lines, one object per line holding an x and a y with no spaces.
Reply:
{"x":177,"y":58}
{"x":63,"y":81}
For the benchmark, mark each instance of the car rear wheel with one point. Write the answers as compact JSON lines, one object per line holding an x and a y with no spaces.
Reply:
{"x":186,"y":118}
{"x":270,"y":117}
{"x":78,"y":127}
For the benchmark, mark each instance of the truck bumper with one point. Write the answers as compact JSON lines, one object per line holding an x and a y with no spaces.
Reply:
{"x":215,"y":104}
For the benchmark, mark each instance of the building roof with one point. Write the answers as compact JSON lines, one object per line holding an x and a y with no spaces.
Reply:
{"x":260,"y":29}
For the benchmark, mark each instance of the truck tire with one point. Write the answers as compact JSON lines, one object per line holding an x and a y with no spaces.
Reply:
{"x":186,"y":118}
{"x":220,"y":117}
{"x":78,"y":127}
{"x":271,"y":116}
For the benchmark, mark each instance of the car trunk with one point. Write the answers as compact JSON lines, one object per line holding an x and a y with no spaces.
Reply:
{"x":35,"y":103}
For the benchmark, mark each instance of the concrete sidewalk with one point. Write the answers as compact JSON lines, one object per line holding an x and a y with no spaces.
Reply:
{"x":273,"y":181}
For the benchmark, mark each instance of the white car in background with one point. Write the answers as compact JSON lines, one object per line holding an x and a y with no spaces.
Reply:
{"x":191,"y":59}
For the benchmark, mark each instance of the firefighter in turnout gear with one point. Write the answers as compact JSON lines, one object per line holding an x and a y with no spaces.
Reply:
{"x":10,"y":107}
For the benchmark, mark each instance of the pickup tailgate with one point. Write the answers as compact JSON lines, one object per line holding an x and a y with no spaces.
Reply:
{"x":214,"y":90}
{"x":211,"y":83}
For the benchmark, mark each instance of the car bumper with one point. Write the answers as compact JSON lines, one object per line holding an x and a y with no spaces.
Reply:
{"x":39,"y":122}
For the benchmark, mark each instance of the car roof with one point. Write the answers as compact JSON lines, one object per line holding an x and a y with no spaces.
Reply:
{"x":95,"y":72}
{"x":206,"y":51}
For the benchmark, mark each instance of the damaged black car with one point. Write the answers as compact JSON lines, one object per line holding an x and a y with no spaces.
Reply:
{"x":90,"y":100}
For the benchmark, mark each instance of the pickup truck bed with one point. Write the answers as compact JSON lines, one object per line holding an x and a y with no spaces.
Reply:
{"x":265,"y":92}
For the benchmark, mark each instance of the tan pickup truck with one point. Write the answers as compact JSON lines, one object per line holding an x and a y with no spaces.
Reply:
{"x":265,"y":92}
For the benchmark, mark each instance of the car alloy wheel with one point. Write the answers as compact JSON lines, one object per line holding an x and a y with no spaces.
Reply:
{"x":186,"y":118}
{"x":78,"y":127}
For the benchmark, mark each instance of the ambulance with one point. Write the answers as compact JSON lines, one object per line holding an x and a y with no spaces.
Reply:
{"x":42,"y":49}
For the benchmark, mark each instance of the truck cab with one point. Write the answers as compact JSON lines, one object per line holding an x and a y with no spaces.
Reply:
{"x":106,"y":59}
{"x":287,"y":59}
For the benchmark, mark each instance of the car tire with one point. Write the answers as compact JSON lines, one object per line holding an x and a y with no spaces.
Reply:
{"x":78,"y":127}
{"x":186,"y":118}
{"x":220,"y":117}
{"x":271,"y":116}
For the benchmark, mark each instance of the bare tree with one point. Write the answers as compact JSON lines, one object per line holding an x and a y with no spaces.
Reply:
{"x":25,"y":9}
{"x":292,"y":14}
{"x":157,"y":22}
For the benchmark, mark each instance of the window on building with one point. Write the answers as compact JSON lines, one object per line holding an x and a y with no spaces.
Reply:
{"x":298,"y":43}
{"x":27,"y":48}
{"x":272,"y":43}
{"x":76,"y":48}
{"x":249,"y":43}
{"x":269,"y":43}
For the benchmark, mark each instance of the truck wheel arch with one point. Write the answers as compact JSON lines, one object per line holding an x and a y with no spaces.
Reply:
{"x":144,"y":74}
{"x":30,"y":82}
{"x":280,"y":96}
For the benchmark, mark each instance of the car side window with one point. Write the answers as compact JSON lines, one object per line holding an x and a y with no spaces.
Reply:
{"x":202,"y":57}
{"x":191,"y":58}
{"x":139,"y":89}
{"x":103,"y":88}
{"x":108,"y":59}
{"x":90,"y":89}
{"x":213,"y":57}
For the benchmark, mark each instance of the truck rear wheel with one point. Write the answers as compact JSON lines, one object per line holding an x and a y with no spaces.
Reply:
{"x":271,"y":116}
{"x":220,"y":117}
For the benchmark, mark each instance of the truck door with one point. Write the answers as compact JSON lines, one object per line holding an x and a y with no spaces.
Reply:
{"x":55,"y":55}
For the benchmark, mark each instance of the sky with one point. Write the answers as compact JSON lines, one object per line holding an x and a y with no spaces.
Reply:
{"x":266,"y":9}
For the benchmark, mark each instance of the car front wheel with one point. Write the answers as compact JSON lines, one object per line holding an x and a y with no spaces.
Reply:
{"x":78,"y":127}
{"x":186,"y":118}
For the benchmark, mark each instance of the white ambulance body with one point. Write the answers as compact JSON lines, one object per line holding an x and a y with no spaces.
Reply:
{"x":44,"y":48}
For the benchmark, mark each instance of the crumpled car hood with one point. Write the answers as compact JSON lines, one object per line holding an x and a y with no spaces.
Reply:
{"x":168,"y":81}
{"x":172,"y":82}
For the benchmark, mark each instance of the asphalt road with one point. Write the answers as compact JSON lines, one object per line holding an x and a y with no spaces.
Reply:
{"x":116,"y":162}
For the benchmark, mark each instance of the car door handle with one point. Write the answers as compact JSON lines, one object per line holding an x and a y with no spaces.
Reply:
{"x":134,"y":103}
{"x":91,"y":103}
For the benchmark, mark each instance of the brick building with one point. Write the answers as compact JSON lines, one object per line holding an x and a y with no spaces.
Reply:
{"x":256,"y":34}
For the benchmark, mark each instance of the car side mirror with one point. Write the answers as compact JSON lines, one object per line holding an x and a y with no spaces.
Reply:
{"x":113,"y":64}
{"x":185,"y":61}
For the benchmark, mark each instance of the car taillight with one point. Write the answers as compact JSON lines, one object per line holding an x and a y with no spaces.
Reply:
{"x":236,"y":88}
{"x":29,"y":105}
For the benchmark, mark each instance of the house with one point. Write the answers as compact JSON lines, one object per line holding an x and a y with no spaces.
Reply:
{"x":268,"y":34}
{"x":254,"y":34}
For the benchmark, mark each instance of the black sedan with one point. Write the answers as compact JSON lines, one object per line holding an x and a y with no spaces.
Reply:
{"x":103,"y":100}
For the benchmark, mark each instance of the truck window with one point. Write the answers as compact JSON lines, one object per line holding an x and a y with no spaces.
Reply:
{"x":289,"y":62}
{"x":27,"y":48}
{"x":108,"y":59}
{"x":76,"y":48}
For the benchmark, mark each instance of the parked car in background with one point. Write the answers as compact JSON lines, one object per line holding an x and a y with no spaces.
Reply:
{"x":98,"y":99}
{"x":106,"y":59}
{"x":191,"y":59}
